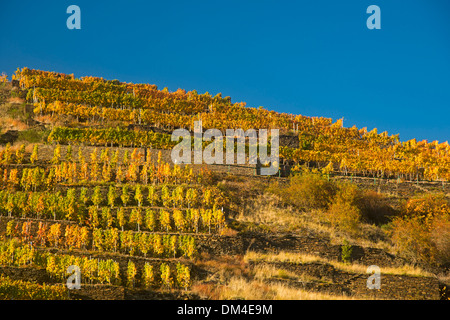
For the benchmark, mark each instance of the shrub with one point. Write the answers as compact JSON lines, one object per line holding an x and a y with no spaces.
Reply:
{"x":373,"y":207}
{"x":344,"y":213}
{"x":344,"y":217}
{"x":366,"y":205}
{"x":33,"y":135}
{"x":422,"y":232}
{"x":440,"y":237}
{"x":346,"y":251}
{"x":426,"y":206}
{"x":411,"y":238}
{"x":347,"y":192}
{"x":307,"y":191}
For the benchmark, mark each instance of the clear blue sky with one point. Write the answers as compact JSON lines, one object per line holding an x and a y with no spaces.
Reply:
{"x":315,"y":58}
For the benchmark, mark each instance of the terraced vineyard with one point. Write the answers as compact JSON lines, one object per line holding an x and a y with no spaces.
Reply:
{"x":100,"y":192}
{"x":56,"y":216}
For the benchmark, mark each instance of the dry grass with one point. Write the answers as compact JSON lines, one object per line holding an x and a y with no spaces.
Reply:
{"x":295,"y":257}
{"x":17,"y":144}
{"x":46,"y":118}
{"x":240,"y":288}
{"x":265,"y":272}
{"x":282,"y":256}
{"x":228,"y":232}
{"x":232,"y":279}
{"x":223,"y":267}
{"x":369,"y":236}
{"x":264,"y":210}
{"x":405,"y":270}
{"x":16,"y":100}
{"x":12,"y":124}
{"x":444,"y":278}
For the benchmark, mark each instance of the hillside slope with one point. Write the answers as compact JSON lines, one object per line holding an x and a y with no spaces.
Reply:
{"x":143,"y":228}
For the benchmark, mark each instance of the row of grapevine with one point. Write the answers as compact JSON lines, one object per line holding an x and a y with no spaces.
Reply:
{"x":27,"y":290}
{"x":321,"y":142}
{"x":121,"y":195}
{"x":159,"y":220}
{"x":145,"y":97}
{"x":347,"y":162}
{"x":14,"y":254}
{"x":8,"y":155}
{"x":109,"y":240}
{"x":362,"y":156}
{"x":48,"y":86}
{"x":144,"y":244}
{"x":93,"y":270}
{"x":113,"y":136}
{"x":202,"y":210}
{"x":222,"y":118}
{"x":122,"y":137}
{"x":83,"y":172}
{"x":147,"y":104}
{"x":386,"y":157}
